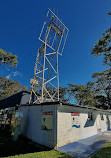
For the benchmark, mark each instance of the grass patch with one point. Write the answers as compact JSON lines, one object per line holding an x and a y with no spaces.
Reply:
{"x":105,"y":152}
{"x":24,"y":149}
{"x":10,"y":148}
{"x":43,"y":154}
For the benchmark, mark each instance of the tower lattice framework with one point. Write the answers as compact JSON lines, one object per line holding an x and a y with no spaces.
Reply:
{"x":45,"y":84}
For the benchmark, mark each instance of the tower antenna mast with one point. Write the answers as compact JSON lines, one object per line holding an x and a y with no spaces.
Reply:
{"x":45,"y":84}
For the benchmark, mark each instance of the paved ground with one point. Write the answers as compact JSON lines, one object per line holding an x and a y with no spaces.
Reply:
{"x":84,"y":148}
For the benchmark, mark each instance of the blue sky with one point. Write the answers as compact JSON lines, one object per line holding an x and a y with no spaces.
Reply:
{"x":20,"y":25}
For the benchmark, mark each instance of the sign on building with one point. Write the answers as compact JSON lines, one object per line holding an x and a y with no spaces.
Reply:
{"x":75,"y":120}
{"x":47,"y":121}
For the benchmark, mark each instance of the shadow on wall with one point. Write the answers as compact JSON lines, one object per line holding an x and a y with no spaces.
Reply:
{"x":108,"y":124}
{"x":90,"y":120}
{"x":89,"y":123}
{"x":26,"y":122}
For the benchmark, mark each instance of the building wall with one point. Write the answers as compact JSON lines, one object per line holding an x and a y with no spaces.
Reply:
{"x":69,"y":130}
{"x":68,"y":124}
{"x":31,"y":126}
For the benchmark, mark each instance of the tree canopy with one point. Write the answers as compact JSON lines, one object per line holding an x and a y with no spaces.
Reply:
{"x":7,"y":58}
{"x":103,"y":47}
{"x":103,"y":84}
{"x":98,"y":92}
{"x":62,"y":93}
{"x":9,"y":87}
{"x":84,"y":94}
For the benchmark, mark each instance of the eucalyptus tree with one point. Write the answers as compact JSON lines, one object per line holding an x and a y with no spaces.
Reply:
{"x":103,"y":47}
{"x":62,"y":93}
{"x":84,"y":94}
{"x":103,"y":79}
{"x":9,"y":87}
{"x":103,"y":84}
{"x":7,"y":58}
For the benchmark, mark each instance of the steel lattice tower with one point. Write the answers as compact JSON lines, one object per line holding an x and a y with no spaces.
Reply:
{"x":45,"y":84}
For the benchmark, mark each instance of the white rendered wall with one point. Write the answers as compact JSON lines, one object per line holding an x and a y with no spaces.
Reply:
{"x":31,"y":125}
{"x":68,"y":134}
{"x":63,"y":132}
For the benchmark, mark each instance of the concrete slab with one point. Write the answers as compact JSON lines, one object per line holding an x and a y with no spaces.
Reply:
{"x":85,"y":147}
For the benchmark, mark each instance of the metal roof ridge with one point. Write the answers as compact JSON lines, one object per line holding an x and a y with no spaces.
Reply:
{"x":69,"y":104}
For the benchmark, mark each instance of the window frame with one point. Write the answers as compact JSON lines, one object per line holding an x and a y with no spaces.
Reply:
{"x":90,"y":116}
{"x":102,"y":116}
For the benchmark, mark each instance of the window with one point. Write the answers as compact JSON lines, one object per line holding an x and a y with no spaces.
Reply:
{"x":102,"y":118}
{"x":90,"y":116}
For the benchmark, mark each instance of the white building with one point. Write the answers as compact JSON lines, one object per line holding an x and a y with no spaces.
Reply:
{"x":55,"y":124}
